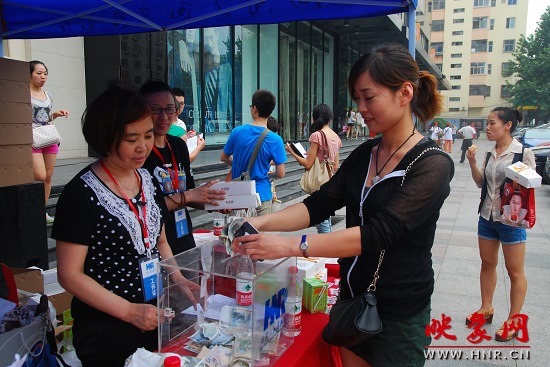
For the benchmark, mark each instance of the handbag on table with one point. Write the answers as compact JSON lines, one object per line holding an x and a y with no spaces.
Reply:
{"x":319,"y":173}
{"x":44,"y":136}
{"x":353,"y":321}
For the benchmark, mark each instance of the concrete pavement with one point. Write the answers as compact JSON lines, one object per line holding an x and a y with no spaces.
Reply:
{"x":456,"y":266}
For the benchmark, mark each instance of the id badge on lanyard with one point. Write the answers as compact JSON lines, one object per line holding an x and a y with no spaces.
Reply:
{"x":182,"y":227}
{"x":150,"y":277}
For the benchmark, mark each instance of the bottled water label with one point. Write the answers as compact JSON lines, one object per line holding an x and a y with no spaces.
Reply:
{"x":244,"y":292}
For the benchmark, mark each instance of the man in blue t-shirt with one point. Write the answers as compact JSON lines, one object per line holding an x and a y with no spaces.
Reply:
{"x":240,"y":145}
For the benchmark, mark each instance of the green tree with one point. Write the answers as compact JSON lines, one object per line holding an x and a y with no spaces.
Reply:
{"x":531,"y":67}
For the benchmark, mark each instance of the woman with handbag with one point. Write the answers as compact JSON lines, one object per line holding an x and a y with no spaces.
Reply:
{"x":109,"y":229}
{"x":323,"y":142}
{"x":46,"y":139}
{"x":491,"y":232}
{"x":393,"y":188}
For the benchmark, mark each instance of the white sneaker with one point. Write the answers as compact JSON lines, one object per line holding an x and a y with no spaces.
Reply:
{"x":49,"y":219}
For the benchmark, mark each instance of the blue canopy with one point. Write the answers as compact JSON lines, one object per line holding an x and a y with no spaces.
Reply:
{"x":70,"y":18}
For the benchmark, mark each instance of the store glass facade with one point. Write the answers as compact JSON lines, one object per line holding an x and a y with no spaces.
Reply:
{"x":220,"y":68}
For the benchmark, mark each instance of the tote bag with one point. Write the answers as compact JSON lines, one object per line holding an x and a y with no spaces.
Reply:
{"x":317,"y":175}
{"x":517,"y":206}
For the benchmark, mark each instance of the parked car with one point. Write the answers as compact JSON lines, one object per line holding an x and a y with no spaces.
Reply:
{"x":542,"y":162}
{"x":534,"y":137}
{"x":538,"y":140}
{"x":546,"y":171}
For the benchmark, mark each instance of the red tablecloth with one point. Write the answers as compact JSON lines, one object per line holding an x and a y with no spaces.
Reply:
{"x":309,"y":349}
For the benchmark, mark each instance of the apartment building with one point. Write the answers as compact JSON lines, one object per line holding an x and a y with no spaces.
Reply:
{"x":472,"y":42}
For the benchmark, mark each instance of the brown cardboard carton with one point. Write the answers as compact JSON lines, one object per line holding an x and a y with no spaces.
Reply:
{"x":16,"y":112}
{"x":15,"y":154}
{"x":15,"y":91}
{"x":29,"y":280}
{"x":11,"y":175}
{"x":15,"y":123}
{"x":14,"y":69}
{"x":15,"y":134}
{"x":32,"y":281}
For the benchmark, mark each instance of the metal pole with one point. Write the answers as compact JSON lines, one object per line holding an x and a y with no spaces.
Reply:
{"x":412,"y":29}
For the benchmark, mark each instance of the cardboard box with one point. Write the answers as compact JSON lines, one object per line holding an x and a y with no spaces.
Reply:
{"x":14,"y":69}
{"x":15,"y":124}
{"x":315,"y":295}
{"x":323,"y":275}
{"x":32,"y":281}
{"x":15,"y":91}
{"x":233,"y":188}
{"x":236,"y":202}
{"x":523,"y":174}
{"x":12,"y":175}
{"x":29,"y":280}
{"x":309,"y":267}
{"x":16,"y":112}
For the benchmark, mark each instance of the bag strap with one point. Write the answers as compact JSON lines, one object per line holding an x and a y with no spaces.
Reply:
{"x":372,"y":286}
{"x":257,"y":149}
{"x":325,"y":154}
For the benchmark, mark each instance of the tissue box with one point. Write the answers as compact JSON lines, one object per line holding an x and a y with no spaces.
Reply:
{"x":234,"y":188}
{"x":523,"y":174}
{"x":309,"y":267}
{"x":314,"y":297}
{"x":236,"y":202}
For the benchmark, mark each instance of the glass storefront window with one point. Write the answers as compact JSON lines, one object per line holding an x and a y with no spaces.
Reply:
{"x":246,"y":71}
{"x":328,"y":72}
{"x":317,"y":79}
{"x":269,"y":49}
{"x":303,"y":74}
{"x":287,"y":80}
{"x":218,"y":83}
{"x":184,"y":73}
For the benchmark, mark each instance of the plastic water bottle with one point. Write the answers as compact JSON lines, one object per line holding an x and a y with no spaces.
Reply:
{"x":293,"y":322}
{"x":245,"y":275}
{"x":172,"y":361}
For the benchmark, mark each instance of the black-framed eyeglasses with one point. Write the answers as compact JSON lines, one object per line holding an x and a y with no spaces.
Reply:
{"x":168,"y":110}
{"x":251,"y":106}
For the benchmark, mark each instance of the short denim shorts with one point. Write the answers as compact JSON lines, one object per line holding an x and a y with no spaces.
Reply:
{"x":507,"y":235}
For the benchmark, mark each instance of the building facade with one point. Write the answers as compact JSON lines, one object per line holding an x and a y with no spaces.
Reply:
{"x":302,"y":63}
{"x":472,"y":42}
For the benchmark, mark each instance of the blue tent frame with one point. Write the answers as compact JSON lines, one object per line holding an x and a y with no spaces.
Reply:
{"x":36,"y":19}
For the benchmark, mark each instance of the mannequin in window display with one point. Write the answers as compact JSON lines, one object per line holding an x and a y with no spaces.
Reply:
{"x":184,"y":75}
{"x":218,"y":82}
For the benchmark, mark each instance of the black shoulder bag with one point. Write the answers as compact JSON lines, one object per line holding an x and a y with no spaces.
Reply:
{"x":355,"y":320}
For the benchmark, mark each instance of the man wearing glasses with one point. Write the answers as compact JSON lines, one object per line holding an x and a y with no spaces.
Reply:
{"x":240,"y":145}
{"x":169,"y":165}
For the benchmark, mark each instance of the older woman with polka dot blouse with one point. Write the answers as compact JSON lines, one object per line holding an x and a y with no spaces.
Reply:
{"x":109,"y":225}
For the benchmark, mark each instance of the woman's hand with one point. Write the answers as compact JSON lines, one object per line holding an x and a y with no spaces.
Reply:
{"x":143,"y":316}
{"x":203,"y":194}
{"x":60,"y":113}
{"x":288,"y":148}
{"x":201,"y":143}
{"x":471,"y":153}
{"x":265,"y":246}
{"x":189,"y":288}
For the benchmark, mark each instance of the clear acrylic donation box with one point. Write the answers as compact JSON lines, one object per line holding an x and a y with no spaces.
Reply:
{"x":237,"y":316}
